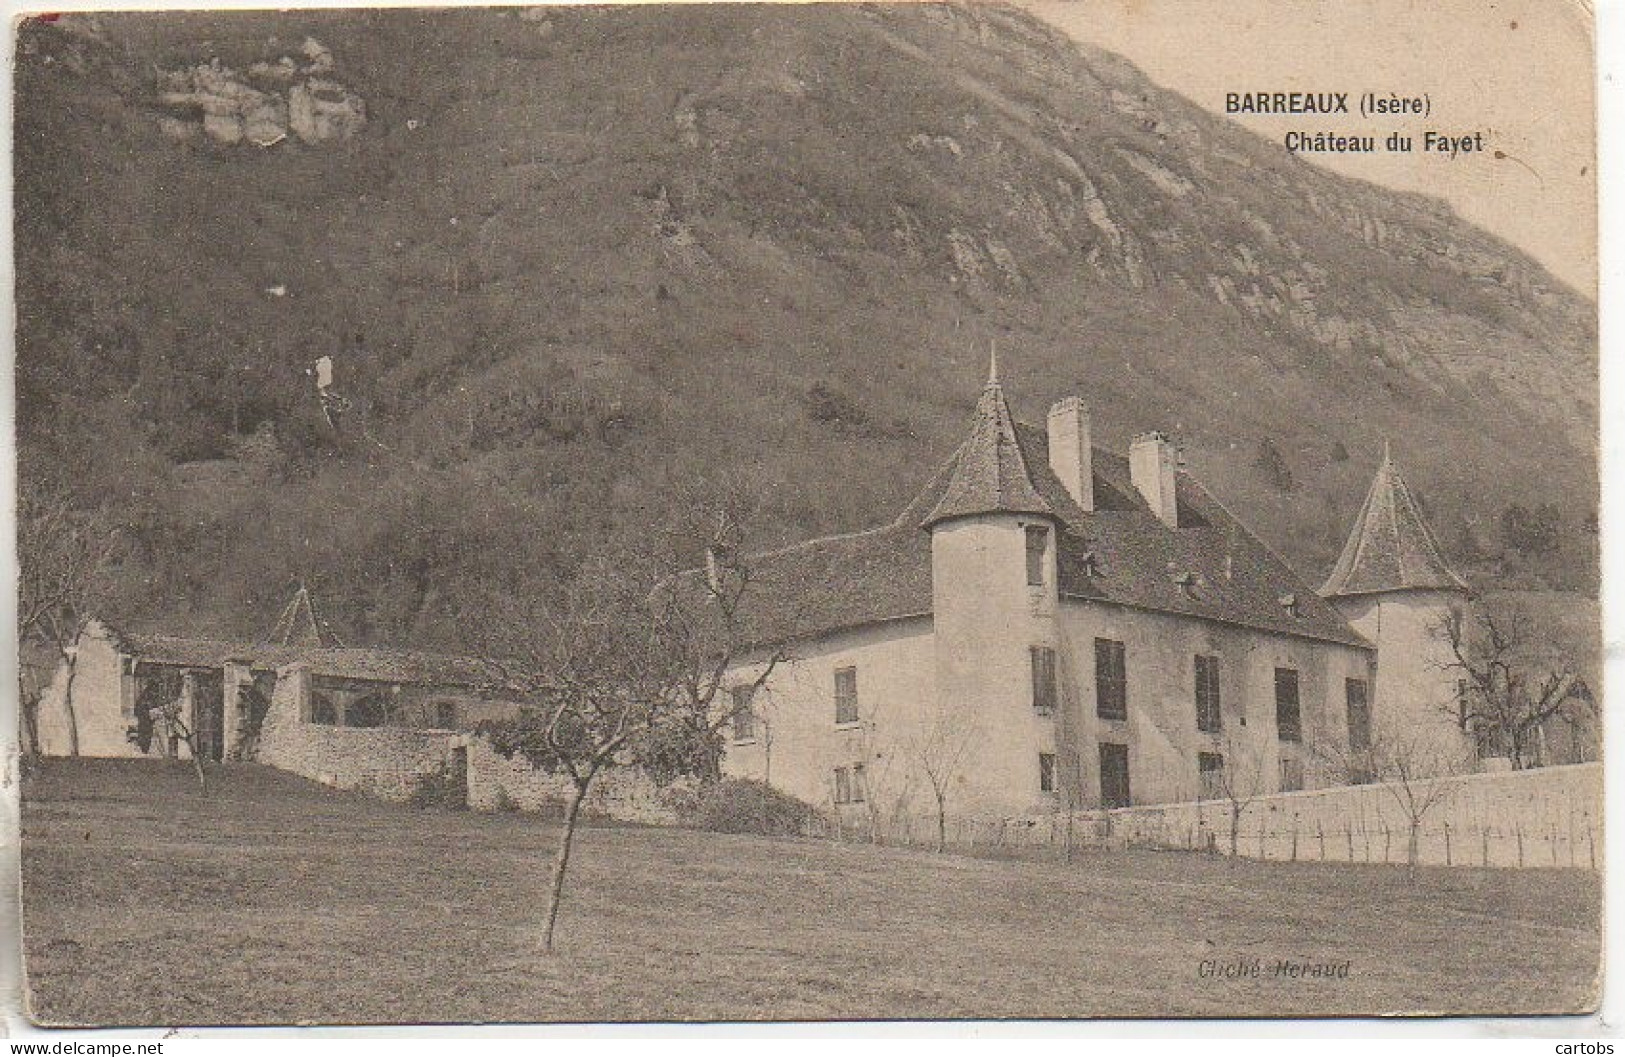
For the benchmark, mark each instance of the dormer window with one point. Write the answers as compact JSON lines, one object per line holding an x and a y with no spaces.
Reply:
{"x":1037,"y":554}
{"x":1290,"y":604}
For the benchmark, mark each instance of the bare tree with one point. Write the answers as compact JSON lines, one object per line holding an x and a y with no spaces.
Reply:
{"x":1510,"y":687}
{"x":170,"y":718}
{"x":1411,"y":770}
{"x":632,"y":666}
{"x":941,"y":752}
{"x":63,"y":556}
{"x":1239,"y":780}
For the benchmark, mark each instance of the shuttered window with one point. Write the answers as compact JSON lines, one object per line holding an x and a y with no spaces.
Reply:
{"x":1359,"y":709}
{"x":846,"y":695}
{"x":1044,"y":694}
{"x":1288,"y":719}
{"x":1114,"y":790}
{"x":1208,"y":716}
{"x":1111,"y":680}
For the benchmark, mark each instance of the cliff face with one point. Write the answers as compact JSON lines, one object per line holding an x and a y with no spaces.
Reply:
{"x":574,"y":256}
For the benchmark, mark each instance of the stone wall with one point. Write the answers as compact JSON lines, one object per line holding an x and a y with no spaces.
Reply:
{"x":498,"y":783}
{"x":383,"y":761}
{"x":1547,"y":817}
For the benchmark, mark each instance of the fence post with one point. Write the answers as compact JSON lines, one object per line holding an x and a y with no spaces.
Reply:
{"x":1553,"y":839}
{"x":1517,"y":829}
{"x":1591,"y":840}
{"x":1447,"y":861}
{"x":1348,"y":833}
{"x":1294,"y":837}
{"x":1484,"y":833}
{"x":1387,"y":844}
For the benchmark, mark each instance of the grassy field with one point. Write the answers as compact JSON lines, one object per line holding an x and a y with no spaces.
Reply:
{"x":273,"y":900}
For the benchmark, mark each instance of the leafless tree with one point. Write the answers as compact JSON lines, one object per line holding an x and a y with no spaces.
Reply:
{"x":633,"y":663}
{"x":1510,"y":687}
{"x":1411,"y":770}
{"x":941,"y":752}
{"x":170,"y":718}
{"x":64,"y":552}
{"x":1239,"y":780}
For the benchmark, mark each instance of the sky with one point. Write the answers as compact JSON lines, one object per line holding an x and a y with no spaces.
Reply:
{"x":1519,"y":71}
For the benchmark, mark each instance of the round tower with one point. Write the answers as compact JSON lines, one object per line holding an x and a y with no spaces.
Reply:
{"x":993,"y":602}
{"x":1394,"y":587}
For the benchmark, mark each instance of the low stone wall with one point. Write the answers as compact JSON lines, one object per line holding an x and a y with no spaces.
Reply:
{"x":496,"y":782}
{"x":386,"y":762}
{"x":1546,"y":817}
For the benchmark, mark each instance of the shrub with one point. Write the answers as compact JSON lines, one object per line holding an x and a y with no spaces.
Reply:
{"x":746,"y":806}
{"x":1273,"y":466}
{"x":439,"y":788}
{"x":829,"y":405}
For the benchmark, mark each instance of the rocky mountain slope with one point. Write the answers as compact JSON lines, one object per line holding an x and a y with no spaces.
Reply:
{"x":569,"y":259}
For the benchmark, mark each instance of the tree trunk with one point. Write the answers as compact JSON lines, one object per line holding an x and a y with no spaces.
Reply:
{"x":30,"y":708}
{"x":942,"y":823}
{"x":561,"y":862}
{"x":72,"y":660}
{"x":1235,"y":831}
{"x":1413,"y":849}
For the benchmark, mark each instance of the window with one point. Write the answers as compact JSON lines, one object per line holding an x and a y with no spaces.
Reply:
{"x":860,"y":783}
{"x":1208,"y":717}
{"x":1043,"y":678}
{"x":1114,"y":791}
{"x":1359,"y":706}
{"x":1288,"y":726}
{"x":445,"y":715}
{"x":1037,"y":553}
{"x":323,"y":710}
{"x":1111,"y":681}
{"x":1291,"y":774}
{"x":846,"y":695}
{"x":368,"y":711}
{"x":843,"y":786}
{"x":1210,"y":772}
{"x":1046,"y":772}
{"x":744,"y":717}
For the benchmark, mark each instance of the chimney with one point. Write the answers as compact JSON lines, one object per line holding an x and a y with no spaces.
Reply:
{"x":1070,"y":454}
{"x":1151,"y":465}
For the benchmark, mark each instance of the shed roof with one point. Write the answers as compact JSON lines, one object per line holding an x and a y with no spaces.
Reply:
{"x":372,"y":664}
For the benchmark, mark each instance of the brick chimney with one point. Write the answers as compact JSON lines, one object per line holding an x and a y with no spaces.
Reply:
{"x":1070,"y":455}
{"x":1152,"y":463}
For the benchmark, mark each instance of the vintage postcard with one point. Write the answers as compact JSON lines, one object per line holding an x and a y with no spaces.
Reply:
{"x":813,"y":512}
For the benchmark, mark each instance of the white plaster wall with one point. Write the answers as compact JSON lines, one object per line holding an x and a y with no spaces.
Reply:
{"x":986,"y":618}
{"x":798,"y":744}
{"x":92,"y":720}
{"x":1161,"y":732}
{"x":1414,"y":704}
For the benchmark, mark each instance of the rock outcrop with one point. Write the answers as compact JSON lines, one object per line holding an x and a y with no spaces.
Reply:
{"x":262,"y":105}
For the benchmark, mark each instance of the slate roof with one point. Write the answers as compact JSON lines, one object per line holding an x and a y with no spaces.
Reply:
{"x":1390,"y":547}
{"x":369,"y":664}
{"x":991,"y":472}
{"x":1120,"y":553}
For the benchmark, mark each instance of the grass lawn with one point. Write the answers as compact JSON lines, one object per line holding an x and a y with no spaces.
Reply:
{"x":274,"y":900}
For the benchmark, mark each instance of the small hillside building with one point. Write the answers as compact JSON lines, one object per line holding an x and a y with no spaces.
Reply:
{"x":1052,"y":625}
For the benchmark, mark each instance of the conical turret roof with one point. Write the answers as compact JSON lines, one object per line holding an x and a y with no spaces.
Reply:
{"x":990,"y":474}
{"x":1391,"y":547}
{"x":299,"y":626}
